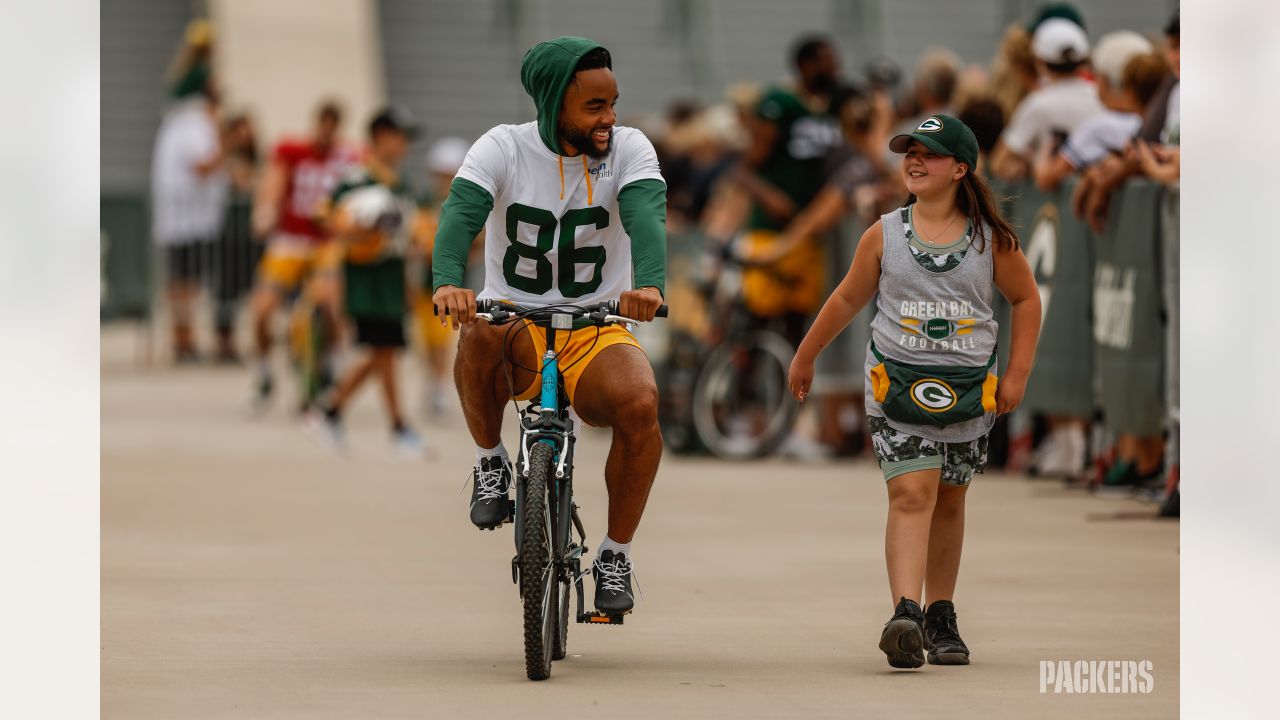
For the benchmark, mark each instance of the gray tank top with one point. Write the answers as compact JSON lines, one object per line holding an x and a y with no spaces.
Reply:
{"x":933,"y":318}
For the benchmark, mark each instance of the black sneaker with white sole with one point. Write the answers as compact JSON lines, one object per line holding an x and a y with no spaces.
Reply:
{"x":903,"y":638}
{"x":612,"y":573}
{"x":490,"y":482}
{"x":942,"y":635}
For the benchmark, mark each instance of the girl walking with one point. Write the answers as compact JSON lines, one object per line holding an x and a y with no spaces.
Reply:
{"x":932,"y":393}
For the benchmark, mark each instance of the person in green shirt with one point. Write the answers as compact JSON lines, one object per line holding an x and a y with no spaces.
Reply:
{"x":373,"y":216}
{"x":792,"y":133}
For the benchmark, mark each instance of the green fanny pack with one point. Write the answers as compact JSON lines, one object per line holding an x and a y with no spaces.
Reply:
{"x":933,"y":394}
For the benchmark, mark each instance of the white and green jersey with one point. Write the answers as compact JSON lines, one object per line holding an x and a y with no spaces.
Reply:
{"x":555,"y":232}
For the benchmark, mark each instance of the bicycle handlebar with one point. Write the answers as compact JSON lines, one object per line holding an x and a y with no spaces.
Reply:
{"x":500,"y":311}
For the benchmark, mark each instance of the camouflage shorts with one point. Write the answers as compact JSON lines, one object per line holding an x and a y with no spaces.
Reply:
{"x":900,"y":452}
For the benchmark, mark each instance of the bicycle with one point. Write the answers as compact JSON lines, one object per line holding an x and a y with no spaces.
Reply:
{"x":727,"y":391}
{"x":547,"y":565}
{"x":310,"y":338}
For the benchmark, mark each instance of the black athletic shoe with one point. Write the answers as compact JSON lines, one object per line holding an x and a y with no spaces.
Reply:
{"x":903,"y":637}
{"x":612,"y":573}
{"x":490,"y":481}
{"x":942,"y":636}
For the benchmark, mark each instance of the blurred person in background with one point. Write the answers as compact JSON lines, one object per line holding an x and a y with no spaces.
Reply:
{"x":1128,"y":76}
{"x":288,"y":212}
{"x":672,"y":147}
{"x":985,"y":117}
{"x":1124,"y":92}
{"x":1064,"y":100}
{"x":1161,"y":123}
{"x":1013,"y":71}
{"x":792,"y":133}
{"x":191,"y":71}
{"x":728,"y":203}
{"x":1159,"y":134}
{"x":188,"y":183}
{"x":932,"y":90}
{"x":438,"y":340}
{"x":850,"y":187}
{"x":702,"y":149}
{"x":1159,"y":138}
{"x":853,"y":190}
{"x":235,"y":256}
{"x":373,"y":220}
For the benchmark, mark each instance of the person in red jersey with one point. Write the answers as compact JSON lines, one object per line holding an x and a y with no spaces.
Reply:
{"x":288,"y":213}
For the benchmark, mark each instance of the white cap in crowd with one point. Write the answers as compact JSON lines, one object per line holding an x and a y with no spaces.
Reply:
{"x":1114,"y":51}
{"x":446,"y":155}
{"x":1058,"y":41}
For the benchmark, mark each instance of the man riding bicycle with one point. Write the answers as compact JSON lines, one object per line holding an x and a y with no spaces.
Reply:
{"x":576,"y":213}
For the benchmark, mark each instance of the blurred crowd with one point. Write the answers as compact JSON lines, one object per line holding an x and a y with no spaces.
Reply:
{"x":764,"y":172}
{"x":778,"y":177}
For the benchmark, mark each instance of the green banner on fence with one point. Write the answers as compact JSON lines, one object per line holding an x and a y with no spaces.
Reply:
{"x":1128,"y":327}
{"x":126,"y":256}
{"x":1056,"y":245}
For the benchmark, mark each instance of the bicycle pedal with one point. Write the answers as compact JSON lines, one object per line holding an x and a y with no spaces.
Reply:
{"x":596,"y":617}
{"x":511,"y":511}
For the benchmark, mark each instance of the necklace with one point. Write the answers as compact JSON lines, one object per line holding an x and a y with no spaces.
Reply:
{"x":939,"y":234}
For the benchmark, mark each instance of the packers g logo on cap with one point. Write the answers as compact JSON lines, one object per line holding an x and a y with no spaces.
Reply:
{"x":933,"y":124}
{"x":933,"y":395}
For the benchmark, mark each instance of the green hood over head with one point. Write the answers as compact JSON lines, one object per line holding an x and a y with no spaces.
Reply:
{"x":545,"y":73}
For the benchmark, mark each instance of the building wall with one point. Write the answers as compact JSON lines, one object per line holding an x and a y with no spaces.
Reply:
{"x":279,"y":59}
{"x":456,"y":62}
{"x":139,"y":40}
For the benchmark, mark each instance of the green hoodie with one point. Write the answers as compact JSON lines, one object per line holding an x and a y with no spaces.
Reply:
{"x":545,"y":73}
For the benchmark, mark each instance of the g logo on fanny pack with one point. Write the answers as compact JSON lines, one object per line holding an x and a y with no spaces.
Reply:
{"x":933,"y":395}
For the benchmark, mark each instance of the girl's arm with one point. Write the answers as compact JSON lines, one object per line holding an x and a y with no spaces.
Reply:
{"x":854,"y":291}
{"x":1018,"y":285}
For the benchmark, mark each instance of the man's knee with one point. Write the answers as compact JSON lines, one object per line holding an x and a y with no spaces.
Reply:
{"x":479,"y":343}
{"x":637,"y":411}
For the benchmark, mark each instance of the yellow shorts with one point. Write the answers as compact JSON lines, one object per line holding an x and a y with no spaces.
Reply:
{"x":285,"y":266}
{"x":574,"y":352}
{"x":432,"y":333}
{"x":799,"y":290}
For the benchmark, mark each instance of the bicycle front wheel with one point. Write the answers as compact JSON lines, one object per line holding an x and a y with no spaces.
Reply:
{"x":537,"y":576}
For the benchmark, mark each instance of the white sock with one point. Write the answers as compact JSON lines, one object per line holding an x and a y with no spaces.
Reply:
{"x":617,"y":547}
{"x":499,"y":451}
{"x":264,"y":367}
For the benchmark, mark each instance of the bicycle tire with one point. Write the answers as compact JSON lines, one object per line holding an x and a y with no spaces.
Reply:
{"x":316,"y":349}
{"x":536,"y":573}
{"x":560,"y":521}
{"x":718,"y":370}
{"x":560,"y":648}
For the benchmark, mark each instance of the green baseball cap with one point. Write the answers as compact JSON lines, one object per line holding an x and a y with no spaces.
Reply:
{"x":944,"y":135}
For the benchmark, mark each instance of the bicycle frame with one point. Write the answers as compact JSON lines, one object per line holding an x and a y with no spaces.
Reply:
{"x":552,"y":425}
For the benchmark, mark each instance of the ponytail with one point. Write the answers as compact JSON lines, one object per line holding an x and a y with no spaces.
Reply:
{"x":975,"y":199}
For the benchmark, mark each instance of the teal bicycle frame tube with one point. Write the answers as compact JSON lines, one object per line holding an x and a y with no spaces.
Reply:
{"x":550,"y":383}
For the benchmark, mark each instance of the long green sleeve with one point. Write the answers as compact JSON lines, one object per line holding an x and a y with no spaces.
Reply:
{"x":643,"y":207}
{"x":462,"y":217}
